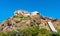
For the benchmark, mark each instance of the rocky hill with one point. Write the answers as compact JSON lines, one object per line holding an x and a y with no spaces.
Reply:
{"x":23,"y":19}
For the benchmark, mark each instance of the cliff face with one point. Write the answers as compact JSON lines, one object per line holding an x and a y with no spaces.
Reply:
{"x":22,"y":19}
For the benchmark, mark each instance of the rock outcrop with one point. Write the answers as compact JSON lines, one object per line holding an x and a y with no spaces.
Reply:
{"x":23,"y":19}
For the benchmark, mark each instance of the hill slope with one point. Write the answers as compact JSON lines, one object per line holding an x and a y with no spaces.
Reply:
{"x":23,"y":19}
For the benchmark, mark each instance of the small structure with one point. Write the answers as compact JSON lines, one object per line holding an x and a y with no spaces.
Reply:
{"x":22,"y":12}
{"x":34,"y":13}
{"x":25,"y":13}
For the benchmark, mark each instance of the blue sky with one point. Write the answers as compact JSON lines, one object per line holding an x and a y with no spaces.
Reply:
{"x":50,"y":8}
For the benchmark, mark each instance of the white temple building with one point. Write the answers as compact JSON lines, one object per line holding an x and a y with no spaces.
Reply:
{"x":25,"y":13}
{"x":34,"y":13}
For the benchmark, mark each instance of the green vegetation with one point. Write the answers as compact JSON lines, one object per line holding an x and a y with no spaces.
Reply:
{"x":17,"y":17}
{"x":3,"y":34}
{"x":23,"y":18}
{"x":31,"y":31}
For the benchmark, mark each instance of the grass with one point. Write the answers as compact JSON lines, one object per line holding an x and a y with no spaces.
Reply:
{"x":31,"y":31}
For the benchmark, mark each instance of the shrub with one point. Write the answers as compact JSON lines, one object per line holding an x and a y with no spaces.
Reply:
{"x":31,"y":31}
{"x":3,"y":34}
{"x":43,"y":32}
{"x":54,"y":34}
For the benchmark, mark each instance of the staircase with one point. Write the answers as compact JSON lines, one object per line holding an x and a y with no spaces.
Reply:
{"x":51,"y":26}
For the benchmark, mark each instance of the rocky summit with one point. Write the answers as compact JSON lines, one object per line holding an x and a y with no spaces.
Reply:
{"x":24,"y":19}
